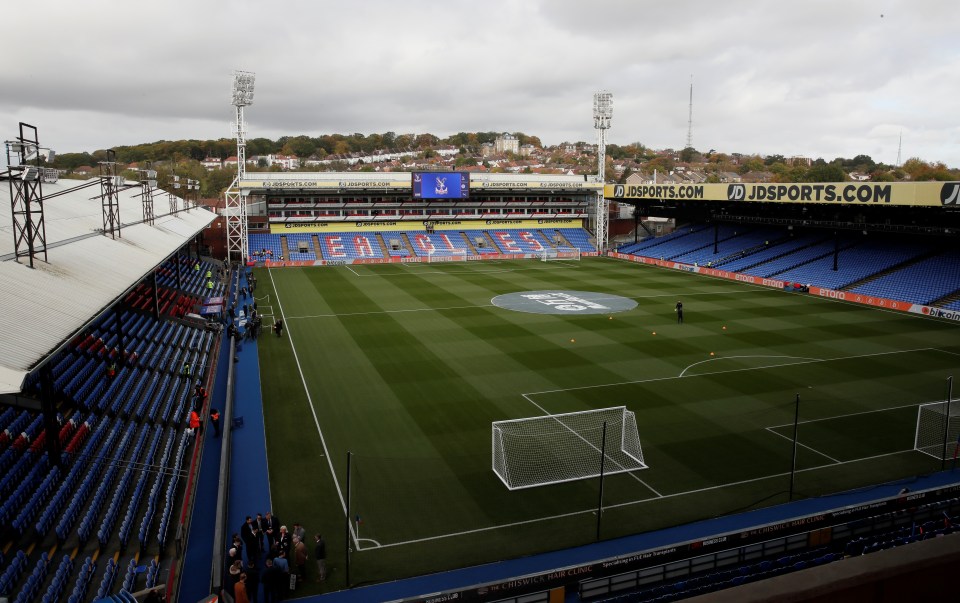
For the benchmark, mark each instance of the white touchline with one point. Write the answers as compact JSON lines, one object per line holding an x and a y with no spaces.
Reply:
{"x":306,"y":391}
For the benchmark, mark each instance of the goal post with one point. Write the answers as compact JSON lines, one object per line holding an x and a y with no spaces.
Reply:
{"x":552,"y":449}
{"x":452,"y":255}
{"x":550,"y":254}
{"x":934,"y":428}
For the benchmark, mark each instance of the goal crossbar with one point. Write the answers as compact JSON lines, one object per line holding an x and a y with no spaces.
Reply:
{"x":553,"y":449}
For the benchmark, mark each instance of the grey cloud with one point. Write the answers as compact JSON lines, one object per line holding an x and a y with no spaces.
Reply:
{"x":816,"y":78}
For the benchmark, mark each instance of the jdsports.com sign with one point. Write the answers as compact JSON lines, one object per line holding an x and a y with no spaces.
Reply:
{"x":923,"y":194}
{"x":814,"y":193}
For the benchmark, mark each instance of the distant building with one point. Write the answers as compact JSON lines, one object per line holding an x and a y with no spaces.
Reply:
{"x":800,"y":161}
{"x":286,"y":162}
{"x":527,"y":150}
{"x":212,"y":163}
{"x":756,"y":176}
{"x":506,"y":143}
{"x":487,"y":149}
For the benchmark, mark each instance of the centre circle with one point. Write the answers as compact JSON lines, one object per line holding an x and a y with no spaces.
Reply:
{"x":564,"y":302}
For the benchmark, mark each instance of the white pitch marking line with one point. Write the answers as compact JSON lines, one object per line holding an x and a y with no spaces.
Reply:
{"x":802,"y":445}
{"x":755,"y":368}
{"x":316,"y":421}
{"x":631,"y":503}
{"x":754,"y":356}
{"x":477,"y":270}
{"x":852,"y":414}
{"x":731,"y":292}
{"x":390,"y":311}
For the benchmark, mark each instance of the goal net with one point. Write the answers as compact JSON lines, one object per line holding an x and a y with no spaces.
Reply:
{"x":934,"y":428}
{"x":454,"y":255}
{"x":550,"y":254}
{"x":552,"y":449}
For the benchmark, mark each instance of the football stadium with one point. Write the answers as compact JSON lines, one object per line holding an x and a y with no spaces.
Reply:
{"x":454,"y":386}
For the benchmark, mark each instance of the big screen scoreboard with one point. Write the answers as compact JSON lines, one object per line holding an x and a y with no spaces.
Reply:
{"x":441,"y":185}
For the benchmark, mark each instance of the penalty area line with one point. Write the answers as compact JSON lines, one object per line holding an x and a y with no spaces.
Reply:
{"x":738,"y":370}
{"x":803,"y":445}
{"x":801,"y":358}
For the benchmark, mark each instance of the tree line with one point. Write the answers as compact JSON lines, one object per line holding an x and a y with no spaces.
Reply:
{"x":183,"y":157}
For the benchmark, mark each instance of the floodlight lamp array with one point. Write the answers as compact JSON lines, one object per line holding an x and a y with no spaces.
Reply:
{"x":243,"y":88}
{"x":602,"y":109}
{"x":27,"y":151}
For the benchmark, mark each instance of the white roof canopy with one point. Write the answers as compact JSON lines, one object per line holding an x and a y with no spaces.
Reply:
{"x":85,"y":271}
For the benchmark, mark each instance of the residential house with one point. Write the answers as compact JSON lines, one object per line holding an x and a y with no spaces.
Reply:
{"x":212,"y":163}
{"x":757,"y":176}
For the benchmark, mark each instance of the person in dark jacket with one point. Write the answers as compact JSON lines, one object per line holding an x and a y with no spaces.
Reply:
{"x":320,"y":554}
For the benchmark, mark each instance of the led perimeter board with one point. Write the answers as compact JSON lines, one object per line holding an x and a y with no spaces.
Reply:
{"x":441,"y":185}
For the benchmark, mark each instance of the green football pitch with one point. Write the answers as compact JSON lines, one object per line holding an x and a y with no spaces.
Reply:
{"x":406,"y":367}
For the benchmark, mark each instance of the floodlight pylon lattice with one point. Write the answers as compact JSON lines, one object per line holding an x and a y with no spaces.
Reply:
{"x":602,"y":116}
{"x":235,"y":205}
{"x":26,"y":195}
{"x":109,"y":195}
{"x":148,"y":181}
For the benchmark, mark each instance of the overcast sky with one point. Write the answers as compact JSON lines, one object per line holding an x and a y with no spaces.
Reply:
{"x":812,"y":78}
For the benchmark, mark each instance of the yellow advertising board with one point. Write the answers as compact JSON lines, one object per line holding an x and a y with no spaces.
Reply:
{"x":321,"y":227}
{"x":917,"y":194}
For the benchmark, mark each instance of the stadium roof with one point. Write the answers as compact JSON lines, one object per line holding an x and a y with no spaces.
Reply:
{"x":85,"y":271}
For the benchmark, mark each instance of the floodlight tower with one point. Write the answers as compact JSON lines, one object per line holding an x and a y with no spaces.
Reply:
{"x":602,"y":115}
{"x":148,"y":181}
{"x":26,"y":195}
{"x":235,"y":206}
{"x":110,"y":184}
